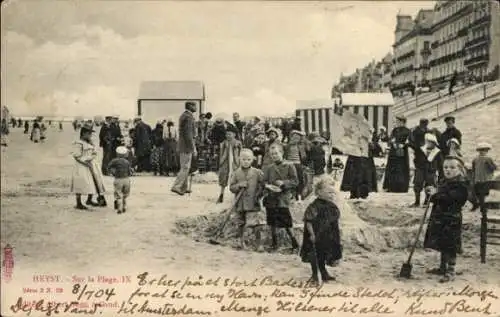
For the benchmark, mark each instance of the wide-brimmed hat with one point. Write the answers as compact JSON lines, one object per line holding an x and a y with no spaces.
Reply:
{"x":453,"y":140}
{"x":483,"y":146}
{"x":320,"y":139}
{"x":272,"y":130}
{"x":429,"y":137}
{"x":88,"y":127}
{"x":121,"y":150}
{"x":401,"y":118}
{"x":449,"y":118}
{"x":301,"y":133}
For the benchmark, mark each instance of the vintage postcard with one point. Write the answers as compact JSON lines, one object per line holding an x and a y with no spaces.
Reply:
{"x":250,"y":158}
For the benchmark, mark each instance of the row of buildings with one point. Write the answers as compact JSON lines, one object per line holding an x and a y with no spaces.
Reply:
{"x":455,"y":36}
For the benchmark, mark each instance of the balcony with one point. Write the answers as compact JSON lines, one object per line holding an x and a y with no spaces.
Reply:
{"x":425,"y":51}
{"x":476,"y":41}
{"x":463,"y":32}
{"x":476,"y":60}
{"x":480,"y":21}
{"x":405,"y":56}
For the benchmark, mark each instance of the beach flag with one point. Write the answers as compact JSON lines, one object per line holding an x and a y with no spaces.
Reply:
{"x":350,"y":133}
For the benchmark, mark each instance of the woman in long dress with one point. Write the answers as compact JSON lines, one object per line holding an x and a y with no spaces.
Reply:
{"x":397,"y":172}
{"x":158,"y":149}
{"x":87,"y":178}
{"x":170,"y":148}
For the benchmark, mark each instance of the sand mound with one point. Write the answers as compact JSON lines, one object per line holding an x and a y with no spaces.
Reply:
{"x":361,"y":229}
{"x":206,"y":178}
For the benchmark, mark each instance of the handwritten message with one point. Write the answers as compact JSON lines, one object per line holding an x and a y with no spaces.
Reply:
{"x":149,"y":294}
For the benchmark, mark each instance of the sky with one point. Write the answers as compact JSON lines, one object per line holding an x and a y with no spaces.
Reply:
{"x":67,"y":58}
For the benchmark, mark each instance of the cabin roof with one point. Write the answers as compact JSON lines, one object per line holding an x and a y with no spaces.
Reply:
{"x":172,"y":90}
{"x":367,"y":99}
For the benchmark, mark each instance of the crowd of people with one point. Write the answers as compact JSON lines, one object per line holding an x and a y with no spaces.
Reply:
{"x":269,"y":169}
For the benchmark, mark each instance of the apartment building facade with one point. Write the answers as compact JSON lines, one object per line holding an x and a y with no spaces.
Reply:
{"x":466,"y":40}
{"x":412,"y":51}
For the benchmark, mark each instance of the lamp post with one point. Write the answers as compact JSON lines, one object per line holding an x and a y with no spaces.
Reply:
{"x":417,"y":68}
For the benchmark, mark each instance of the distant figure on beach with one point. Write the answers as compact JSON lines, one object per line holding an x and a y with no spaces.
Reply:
{"x":4,"y":131}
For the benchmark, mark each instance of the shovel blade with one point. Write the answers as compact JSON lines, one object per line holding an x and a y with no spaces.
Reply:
{"x":406,"y":270}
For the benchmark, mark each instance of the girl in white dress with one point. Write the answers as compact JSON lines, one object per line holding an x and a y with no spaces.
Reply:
{"x":87,"y":178}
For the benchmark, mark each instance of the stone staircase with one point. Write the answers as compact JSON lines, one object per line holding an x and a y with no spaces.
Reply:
{"x":438,"y":108}
{"x":478,"y":123}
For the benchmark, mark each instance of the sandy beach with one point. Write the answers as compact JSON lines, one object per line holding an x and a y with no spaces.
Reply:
{"x":50,"y":237}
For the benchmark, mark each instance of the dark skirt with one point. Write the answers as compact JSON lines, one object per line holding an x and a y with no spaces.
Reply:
{"x":156,"y":157}
{"x":171,"y":156}
{"x":397,"y":173}
{"x":279,"y":217}
{"x":359,"y":171}
{"x":444,"y":232}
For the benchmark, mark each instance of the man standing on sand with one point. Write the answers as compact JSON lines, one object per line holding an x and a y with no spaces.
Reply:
{"x":186,"y":146}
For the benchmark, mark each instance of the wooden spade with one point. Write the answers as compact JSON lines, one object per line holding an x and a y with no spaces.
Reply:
{"x":407,"y":267}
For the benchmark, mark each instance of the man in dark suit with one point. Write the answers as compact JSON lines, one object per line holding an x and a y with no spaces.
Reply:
{"x":186,"y":147}
{"x":451,"y":132}
{"x":106,"y":143}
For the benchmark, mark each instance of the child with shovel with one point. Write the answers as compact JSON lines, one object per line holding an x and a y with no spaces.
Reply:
{"x":249,"y":180}
{"x":445,"y":223}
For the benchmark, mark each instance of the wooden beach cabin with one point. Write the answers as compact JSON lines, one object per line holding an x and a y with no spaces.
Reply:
{"x":375,"y":107}
{"x":165,"y":99}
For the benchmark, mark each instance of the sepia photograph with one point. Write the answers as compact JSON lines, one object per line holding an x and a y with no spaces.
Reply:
{"x":250,"y":158}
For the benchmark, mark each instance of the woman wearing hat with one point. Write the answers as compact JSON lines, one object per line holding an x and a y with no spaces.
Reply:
{"x":397,"y":172}
{"x":87,"y":178}
{"x":170,"y":148}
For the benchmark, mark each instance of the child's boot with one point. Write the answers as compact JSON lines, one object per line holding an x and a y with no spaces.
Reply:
{"x":101,"y":201}
{"x":325,"y":276}
{"x":79,"y":204}
{"x":124,"y":208}
{"x":90,"y":202}
{"x":426,"y":201}
{"x":274,"y":236}
{"x":450,"y":273}
{"x":441,"y":269}
{"x":417,"y":200}
{"x":314,"y":281}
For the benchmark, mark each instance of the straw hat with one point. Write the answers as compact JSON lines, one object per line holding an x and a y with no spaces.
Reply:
{"x":483,"y":146}
{"x":121,"y":150}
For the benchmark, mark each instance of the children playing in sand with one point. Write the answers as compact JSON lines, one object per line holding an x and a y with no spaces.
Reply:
{"x":280,"y":179}
{"x":248,"y":181}
{"x":121,"y":169}
{"x":321,"y":241}
{"x":445,"y":223}
{"x":229,"y":159}
{"x":483,"y":168}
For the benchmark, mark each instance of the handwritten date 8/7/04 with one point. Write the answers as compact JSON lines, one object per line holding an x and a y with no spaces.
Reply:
{"x":87,"y":293}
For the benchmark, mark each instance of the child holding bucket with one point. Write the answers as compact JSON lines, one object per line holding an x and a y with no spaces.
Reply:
{"x":444,"y":232}
{"x":249,"y":180}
